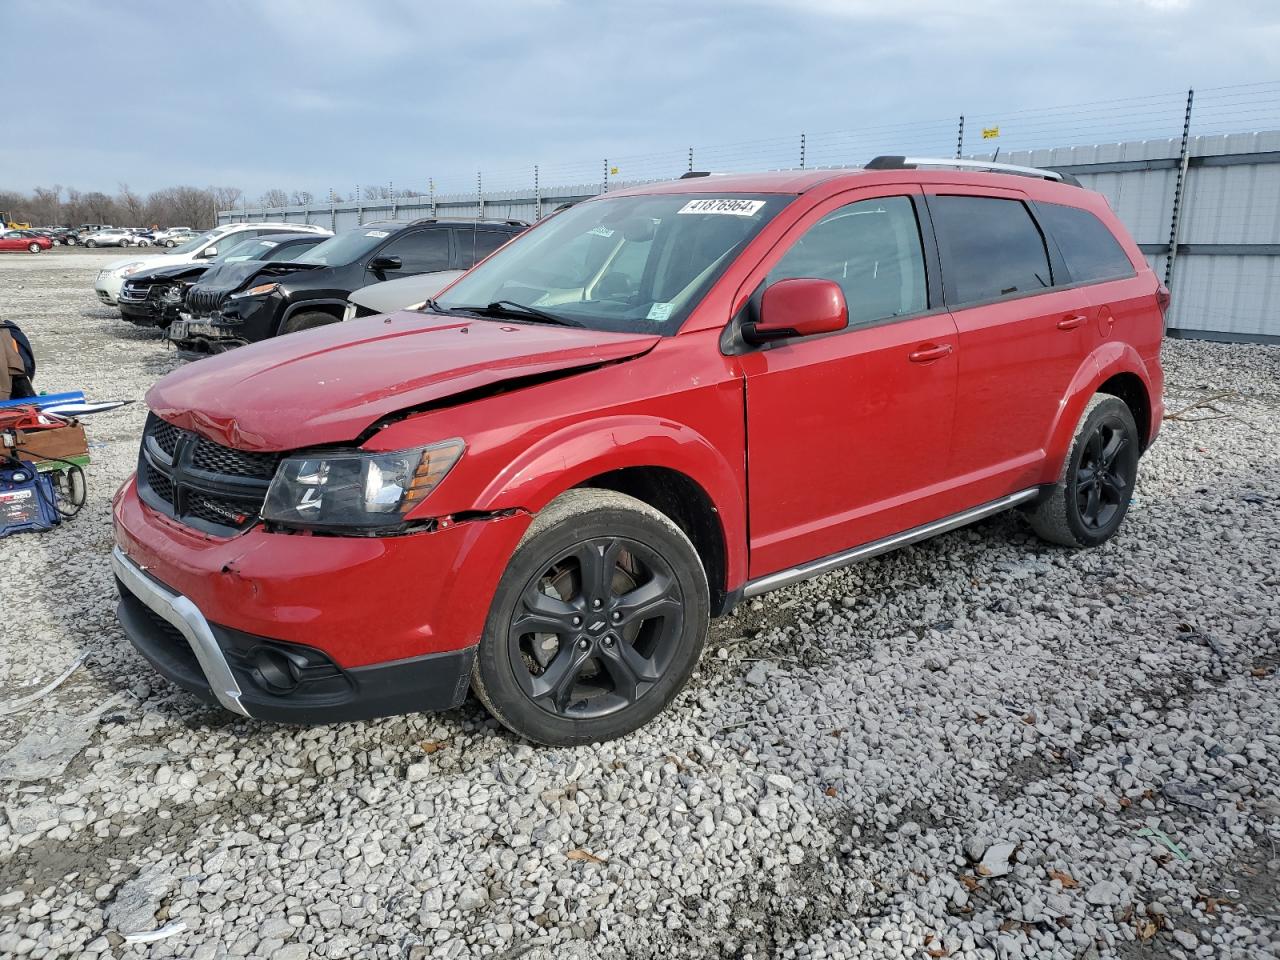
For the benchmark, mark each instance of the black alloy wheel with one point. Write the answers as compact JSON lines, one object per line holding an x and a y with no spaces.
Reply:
{"x":1085,"y":508}
{"x":596,"y":629}
{"x":1101,"y":485}
{"x":597,"y":623}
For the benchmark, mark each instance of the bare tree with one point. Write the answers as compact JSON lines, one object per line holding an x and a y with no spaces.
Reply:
{"x":227,"y":198}
{"x":132,"y":206}
{"x":301,"y":198}
{"x":274,"y":198}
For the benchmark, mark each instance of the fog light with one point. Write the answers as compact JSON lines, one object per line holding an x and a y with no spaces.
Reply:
{"x":276,"y":670}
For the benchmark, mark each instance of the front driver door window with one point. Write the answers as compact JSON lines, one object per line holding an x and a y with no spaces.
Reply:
{"x":422,"y":251}
{"x":848,"y":433}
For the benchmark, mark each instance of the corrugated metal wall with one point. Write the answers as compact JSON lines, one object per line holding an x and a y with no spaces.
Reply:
{"x":1227,"y":264}
{"x":1227,"y":268}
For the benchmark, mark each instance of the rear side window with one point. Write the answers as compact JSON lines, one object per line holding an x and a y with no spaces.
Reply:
{"x":1091,"y":251}
{"x":991,"y":248}
{"x":474,"y":245}
{"x":872,"y":249}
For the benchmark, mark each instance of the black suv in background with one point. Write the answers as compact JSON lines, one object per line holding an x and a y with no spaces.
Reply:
{"x":312,"y":290}
{"x":154,"y":297}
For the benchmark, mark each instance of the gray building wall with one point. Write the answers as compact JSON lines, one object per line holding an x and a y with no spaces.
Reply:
{"x":1226,"y":268}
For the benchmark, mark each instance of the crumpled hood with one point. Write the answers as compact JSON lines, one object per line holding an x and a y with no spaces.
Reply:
{"x":177,"y":271}
{"x":330,"y":384}
{"x":229,"y":277}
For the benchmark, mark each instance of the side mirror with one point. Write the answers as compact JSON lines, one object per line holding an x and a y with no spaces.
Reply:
{"x":378,"y":264}
{"x":801,"y":307}
{"x":208,"y":252}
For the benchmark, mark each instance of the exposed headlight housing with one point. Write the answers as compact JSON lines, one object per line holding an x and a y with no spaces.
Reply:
{"x":357,"y":489}
{"x":129,"y":269}
{"x":261,"y":290}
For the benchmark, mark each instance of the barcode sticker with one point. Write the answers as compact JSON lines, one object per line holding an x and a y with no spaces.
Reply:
{"x":724,"y":205}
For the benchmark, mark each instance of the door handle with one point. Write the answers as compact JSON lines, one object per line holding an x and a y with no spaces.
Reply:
{"x":927,"y":352}
{"x":1071,"y":322}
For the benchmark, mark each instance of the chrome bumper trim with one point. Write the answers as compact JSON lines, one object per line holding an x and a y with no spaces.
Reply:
{"x":190,"y":622}
{"x":785,"y":578}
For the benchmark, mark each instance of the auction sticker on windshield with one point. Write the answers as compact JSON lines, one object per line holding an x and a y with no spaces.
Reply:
{"x":734,"y":208}
{"x":376,"y":233}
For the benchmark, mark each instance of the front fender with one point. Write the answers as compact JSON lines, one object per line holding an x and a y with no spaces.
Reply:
{"x":1105,"y":362}
{"x":575,"y":453}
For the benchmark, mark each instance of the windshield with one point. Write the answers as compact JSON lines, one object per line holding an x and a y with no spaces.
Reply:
{"x":345,"y":247}
{"x":259,"y":248}
{"x":635,"y":264}
{"x":194,"y":243}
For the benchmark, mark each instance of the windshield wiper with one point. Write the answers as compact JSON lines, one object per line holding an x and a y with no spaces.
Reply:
{"x":509,"y":308}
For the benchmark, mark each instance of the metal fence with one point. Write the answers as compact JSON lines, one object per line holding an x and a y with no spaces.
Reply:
{"x":1203,"y":202}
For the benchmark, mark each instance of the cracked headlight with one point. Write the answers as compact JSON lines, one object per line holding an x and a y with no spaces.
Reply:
{"x":355,"y":488}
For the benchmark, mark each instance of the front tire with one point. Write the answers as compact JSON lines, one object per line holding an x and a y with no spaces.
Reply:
{"x":597,"y":623}
{"x":308,"y":320}
{"x":34,"y":247}
{"x":1092,"y":496}
{"x":91,"y":243}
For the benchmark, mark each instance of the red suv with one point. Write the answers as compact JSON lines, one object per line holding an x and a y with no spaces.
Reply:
{"x":657,"y":402}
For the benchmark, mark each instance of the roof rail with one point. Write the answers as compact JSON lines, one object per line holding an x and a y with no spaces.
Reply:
{"x":895,"y":162}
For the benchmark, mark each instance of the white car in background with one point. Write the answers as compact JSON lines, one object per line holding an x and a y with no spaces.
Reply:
{"x":402,"y":293}
{"x":203,"y":246}
{"x":111,"y":237}
{"x":173,"y":236}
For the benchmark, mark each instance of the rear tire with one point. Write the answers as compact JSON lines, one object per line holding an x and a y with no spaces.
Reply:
{"x":34,"y":247}
{"x":308,"y":320}
{"x":1092,"y":495}
{"x":597,"y":622}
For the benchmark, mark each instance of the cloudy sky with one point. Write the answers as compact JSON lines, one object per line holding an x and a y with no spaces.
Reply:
{"x":308,"y":94}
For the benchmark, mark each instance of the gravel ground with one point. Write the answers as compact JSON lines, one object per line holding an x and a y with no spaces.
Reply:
{"x":978,"y":747}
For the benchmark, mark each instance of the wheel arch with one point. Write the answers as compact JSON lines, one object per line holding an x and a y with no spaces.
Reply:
{"x":679,"y":497}
{"x":1115,"y":369}
{"x":665,"y":464}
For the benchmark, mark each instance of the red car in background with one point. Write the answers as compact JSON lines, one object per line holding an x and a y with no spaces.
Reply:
{"x":27,"y":240}
{"x":648,"y":407}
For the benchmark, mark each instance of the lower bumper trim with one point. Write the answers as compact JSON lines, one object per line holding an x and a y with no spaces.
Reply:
{"x":182,"y":614}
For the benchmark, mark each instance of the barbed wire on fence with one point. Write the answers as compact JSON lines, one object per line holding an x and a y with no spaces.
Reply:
{"x":1153,"y":116}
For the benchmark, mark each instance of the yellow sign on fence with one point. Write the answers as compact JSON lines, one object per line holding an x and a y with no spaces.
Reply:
{"x":990,"y":133}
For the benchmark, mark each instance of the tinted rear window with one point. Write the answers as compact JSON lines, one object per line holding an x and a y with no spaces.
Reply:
{"x":991,"y":248}
{"x":1089,"y":248}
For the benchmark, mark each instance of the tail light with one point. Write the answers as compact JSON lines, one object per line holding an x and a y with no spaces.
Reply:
{"x":1163,"y":298}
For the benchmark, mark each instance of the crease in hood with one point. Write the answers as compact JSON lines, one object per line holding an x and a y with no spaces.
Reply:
{"x":330,"y":384}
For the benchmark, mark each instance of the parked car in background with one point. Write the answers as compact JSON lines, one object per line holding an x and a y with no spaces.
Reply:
{"x":142,"y":236}
{"x":656,"y":404}
{"x":110,"y":237}
{"x":154,"y":297}
{"x":25,"y":240}
{"x":312,"y":291}
{"x":61,"y":236}
{"x":403,"y":293}
{"x":92,"y":227}
{"x":203,"y":246}
{"x":173,"y":236}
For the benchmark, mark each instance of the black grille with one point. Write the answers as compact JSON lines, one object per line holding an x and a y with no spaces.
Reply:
{"x":159,"y":483}
{"x":237,"y":463}
{"x":204,"y":302}
{"x":166,"y":434}
{"x":201,"y":483}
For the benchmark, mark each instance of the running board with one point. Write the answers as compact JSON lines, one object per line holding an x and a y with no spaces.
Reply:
{"x":785,"y":578}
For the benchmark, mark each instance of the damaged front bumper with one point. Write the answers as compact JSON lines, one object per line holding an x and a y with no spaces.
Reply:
{"x":309,"y":629}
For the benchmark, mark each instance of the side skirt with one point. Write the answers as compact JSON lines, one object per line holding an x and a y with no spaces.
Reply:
{"x":815,"y":568}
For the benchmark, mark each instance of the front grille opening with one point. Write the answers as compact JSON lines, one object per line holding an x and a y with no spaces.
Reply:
{"x":204,"y":483}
